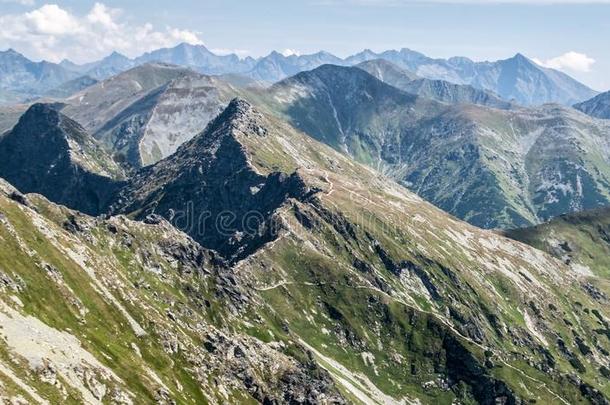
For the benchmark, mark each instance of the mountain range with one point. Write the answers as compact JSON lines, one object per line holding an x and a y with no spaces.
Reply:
{"x":491,"y":167}
{"x":258,"y":264}
{"x":491,"y":163}
{"x":517,"y":79}
{"x":440,"y":90}
{"x":186,"y":227}
{"x":20,"y":78}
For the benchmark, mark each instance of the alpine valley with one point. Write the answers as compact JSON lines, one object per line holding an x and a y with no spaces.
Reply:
{"x":387,"y":228}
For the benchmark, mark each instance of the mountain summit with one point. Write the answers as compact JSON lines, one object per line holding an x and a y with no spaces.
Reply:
{"x":520,"y":79}
{"x":50,"y":154}
{"x":213,"y":174}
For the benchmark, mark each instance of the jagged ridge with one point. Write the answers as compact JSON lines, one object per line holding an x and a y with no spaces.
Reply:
{"x":209,"y":183}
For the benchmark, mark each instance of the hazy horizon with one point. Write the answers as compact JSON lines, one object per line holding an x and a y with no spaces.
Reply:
{"x":568,"y":35}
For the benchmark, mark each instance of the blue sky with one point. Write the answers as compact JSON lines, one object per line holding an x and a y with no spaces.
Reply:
{"x":571,"y":35}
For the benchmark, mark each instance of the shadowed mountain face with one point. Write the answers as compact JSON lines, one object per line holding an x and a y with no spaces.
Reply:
{"x":362,"y":293}
{"x":490,"y":167}
{"x":598,"y":106}
{"x":9,"y":116}
{"x":209,"y":183}
{"x":50,"y":154}
{"x":581,"y":240}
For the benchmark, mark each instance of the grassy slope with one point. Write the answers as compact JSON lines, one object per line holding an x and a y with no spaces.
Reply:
{"x":311,"y":284}
{"x":490,"y":167}
{"x":46,"y":267}
{"x":392,"y":295}
{"x":581,"y":238}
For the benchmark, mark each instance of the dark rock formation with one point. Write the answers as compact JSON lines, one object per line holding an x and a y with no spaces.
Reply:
{"x":49,"y":154}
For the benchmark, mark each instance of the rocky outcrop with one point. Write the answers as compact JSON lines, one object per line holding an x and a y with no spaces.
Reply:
{"x":50,"y":154}
{"x":210,"y":190}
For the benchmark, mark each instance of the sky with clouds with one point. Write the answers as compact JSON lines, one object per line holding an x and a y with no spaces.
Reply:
{"x":569,"y":35}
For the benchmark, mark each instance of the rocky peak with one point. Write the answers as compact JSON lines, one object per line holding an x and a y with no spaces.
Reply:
{"x":45,"y":123}
{"x":43,"y":126}
{"x":218,"y":196}
{"x":12,"y":54}
{"x":521,"y":60}
{"x":116,"y":57}
{"x":275,"y":54}
{"x":237,"y":109}
{"x":239,"y":112}
{"x":50,"y":154}
{"x":40,"y":113}
{"x":238,"y":115}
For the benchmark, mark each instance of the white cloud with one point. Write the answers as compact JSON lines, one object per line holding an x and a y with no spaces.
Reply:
{"x":289,"y":52}
{"x":53,"y":33}
{"x":51,"y":20}
{"x":100,"y":14}
{"x":575,"y":61}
